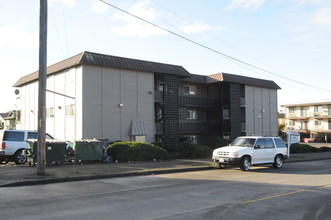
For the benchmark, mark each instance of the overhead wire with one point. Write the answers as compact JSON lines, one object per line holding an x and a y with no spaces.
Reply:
{"x":211,"y":49}
{"x":211,"y":35}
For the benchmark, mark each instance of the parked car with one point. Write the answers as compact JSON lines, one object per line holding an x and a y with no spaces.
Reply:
{"x":314,"y":140}
{"x":13,"y":142}
{"x":247,"y":151}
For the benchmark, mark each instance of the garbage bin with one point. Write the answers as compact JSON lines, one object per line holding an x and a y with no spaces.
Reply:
{"x":87,"y":150}
{"x":55,"y":151}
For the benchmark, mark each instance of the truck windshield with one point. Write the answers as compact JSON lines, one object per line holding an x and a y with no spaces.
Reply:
{"x":244,"y":142}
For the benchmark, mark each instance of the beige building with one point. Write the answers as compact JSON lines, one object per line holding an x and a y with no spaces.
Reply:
{"x":311,"y":120}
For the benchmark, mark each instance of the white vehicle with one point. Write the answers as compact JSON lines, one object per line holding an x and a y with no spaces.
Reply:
{"x":247,"y":151}
{"x":13,"y":142}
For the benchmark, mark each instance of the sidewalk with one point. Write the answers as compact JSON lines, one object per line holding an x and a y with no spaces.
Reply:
{"x":12,"y":175}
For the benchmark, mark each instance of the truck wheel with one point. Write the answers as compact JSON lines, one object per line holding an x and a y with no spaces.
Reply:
{"x":278,"y":163}
{"x":245,"y":163}
{"x":20,"y":158}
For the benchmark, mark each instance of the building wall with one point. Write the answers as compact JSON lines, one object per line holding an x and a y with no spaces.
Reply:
{"x":58,"y":124}
{"x":104,"y":91}
{"x":261,"y":111}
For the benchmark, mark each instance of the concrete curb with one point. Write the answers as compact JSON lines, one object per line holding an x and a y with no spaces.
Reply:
{"x":137,"y":173}
{"x":81,"y":178}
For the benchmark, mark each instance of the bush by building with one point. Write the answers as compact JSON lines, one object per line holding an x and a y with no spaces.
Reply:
{"x":136,"y":151}
{"x":190,"y":151}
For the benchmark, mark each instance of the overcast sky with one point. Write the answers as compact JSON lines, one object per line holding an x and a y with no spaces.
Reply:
{"x":287,"y":40}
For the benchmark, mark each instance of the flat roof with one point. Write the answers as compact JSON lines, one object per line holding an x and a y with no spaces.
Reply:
{"x":307,"y":104}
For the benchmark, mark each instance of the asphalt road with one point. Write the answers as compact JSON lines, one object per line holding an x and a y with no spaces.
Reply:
{"x":297,"y":191}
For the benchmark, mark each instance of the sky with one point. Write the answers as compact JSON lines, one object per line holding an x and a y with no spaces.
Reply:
{"x":287,"y":41}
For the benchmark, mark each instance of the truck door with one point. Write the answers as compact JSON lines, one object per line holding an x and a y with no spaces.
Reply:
{"x":269,"y":150}
{"x":258,"y":151}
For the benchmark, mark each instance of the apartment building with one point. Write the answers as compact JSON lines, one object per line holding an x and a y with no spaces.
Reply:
{"x":93,"y":95}
{"x":311,"y":120}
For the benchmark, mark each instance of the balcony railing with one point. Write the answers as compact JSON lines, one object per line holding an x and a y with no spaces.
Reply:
{"x":197,"y":126}
{"x":159,"y":127}
{"x":242,"y":101}
{"x":158,"y":96}
{"x":310,"y":115}
{"x":197,"y":101}
{"x":243,"y":126}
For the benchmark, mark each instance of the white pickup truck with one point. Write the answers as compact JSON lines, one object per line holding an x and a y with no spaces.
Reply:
{"x":247,"y":151}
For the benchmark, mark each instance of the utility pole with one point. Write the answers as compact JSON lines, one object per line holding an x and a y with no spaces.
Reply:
{"x":41,"y":152}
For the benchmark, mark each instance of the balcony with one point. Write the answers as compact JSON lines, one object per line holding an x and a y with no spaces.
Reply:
{"x":242,"y":101}
{"x":158,"y":96}
{"x":321,"y":115}
{"x":243,"y":127}
{"x":159,"y":127}
{"x":197,"y":101}
{"x":192,"y":127}
{"x":307,"y":115}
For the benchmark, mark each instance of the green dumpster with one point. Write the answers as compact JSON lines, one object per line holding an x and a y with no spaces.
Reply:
{"x":55,"y":151}
{"x":87,"y":149}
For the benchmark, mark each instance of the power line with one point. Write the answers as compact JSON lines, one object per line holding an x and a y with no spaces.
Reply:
{"x":211,"y":49}
{"x":213,"y":36}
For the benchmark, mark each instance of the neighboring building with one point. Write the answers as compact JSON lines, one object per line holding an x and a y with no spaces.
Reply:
{"x":93,"y":95}
{"x":9,"y":119}
{"x":311,"y":120}
{"x":2,"y":122}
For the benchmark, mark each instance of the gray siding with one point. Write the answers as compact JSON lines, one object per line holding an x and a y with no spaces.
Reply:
{"x":261,"y":111}
{"x":104,"y":89}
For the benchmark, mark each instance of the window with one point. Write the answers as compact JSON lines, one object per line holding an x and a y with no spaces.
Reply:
{"x":226,"y":113}
{"x":304,"y":112}
{"x":269,"y":143}
{"x":280,"y":143}
{"x":191,"y":114}
{"x":291,"y":123}
{"x":318,"y":108}
{"x":13,"y":136}
{"x":18,"y":116}
{"x":260,"y":144}
{"x":304,"y":125}
{"x":160,"y":86}
{"x":244,"y":142}
{"x":32,"y":135}
{"x":291,"y":110}
{"x":318,"y":122}
{"x":190,"y":90}
{"x":70,"y":110}
{"x":50,"y":112}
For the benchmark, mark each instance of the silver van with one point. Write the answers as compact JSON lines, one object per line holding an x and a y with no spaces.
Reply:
{"x":12,"y":142}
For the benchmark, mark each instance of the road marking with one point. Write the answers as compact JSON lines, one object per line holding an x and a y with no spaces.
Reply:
{"x":270,"y":197}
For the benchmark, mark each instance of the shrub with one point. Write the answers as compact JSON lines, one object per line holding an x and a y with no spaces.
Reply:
{"x":136,"y":151}
{"x":189,"y":150}
{"x":159,"y":144}
{"x":324,"y":149}
{"x":119,"y":151}
{"x":201,"y":151}
{"x":219,"y":142}
{"x":302,"y":148}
